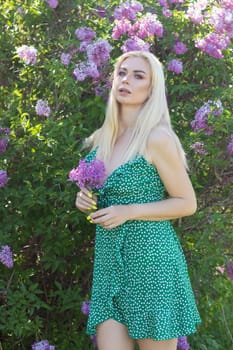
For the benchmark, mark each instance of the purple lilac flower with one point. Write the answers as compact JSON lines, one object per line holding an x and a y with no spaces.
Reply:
{"x":180,"y":48}
{"x":148,"y":26}
{"x":89,"y":174}
{"x":85,"y":34}
{"x":27,"y":53}
{"x":198,"y":147}
{"x":229,"y":269}
{"x":201,"y":116}
{"x":6,"y":256}
{"x":3,"y":178}
{"x":213,"y":44}
{"x":99,"y":51}
{"x":4,"y":131}
{"x":86,"y":308}
{"x":84,"y":70}
{"x":65,"y":58}
{"x":163,"y":3}
{"x":43,"y":345}
{"x":128,"y":10}
{"x":183,"y":343}
{"x":84,"y":45}
{"x":175,"y":66}
{"x":52,"y":3}
{"x":3,"y":145}
{"x":121,"y":27}
{"x":135,"y":44}
{"x":42,"y":108}
{"x":230,"y":145}
{"x":166,"y":12}
{"x":101,"y":12}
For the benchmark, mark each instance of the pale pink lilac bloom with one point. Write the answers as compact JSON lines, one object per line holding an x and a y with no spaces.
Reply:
{"x":121,"y":27}
{"x":52,"y":3}
{"x":180,"y":48}
{"x":195,"y":9}
{"x":222,"y":20}
{"x":220,"y":269}
{"x":148,"y":26}
{"x":128,"y":10}
{"x":175,"y":66}
{"x":3,"y":178}
{"x":43,"y":345}
{"x":166,"y":12}
{"x":135,"y":44}
{"x":99,"y":51}
{"x":230,"y":145}
{"x":27,"y":53}
{"x":85,"y":33}
{"x":42,"y":108}
{"x":66,"y":58}
{"x":6,"y":256}
{"x":227,"y":4}
{"x":198,"y":147}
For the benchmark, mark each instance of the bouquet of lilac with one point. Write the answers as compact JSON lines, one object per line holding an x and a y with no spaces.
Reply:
{"x":91,"y":175}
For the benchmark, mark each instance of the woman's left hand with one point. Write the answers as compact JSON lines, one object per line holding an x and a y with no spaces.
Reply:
{"x":110,"y":217}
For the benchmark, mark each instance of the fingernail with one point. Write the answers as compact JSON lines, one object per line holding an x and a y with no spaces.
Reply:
{"x":88,"y":217}
{"x":94,"y":202}
{"x":89,"y":195}
{"x":89,"y":208}
{"x":94,"y":207}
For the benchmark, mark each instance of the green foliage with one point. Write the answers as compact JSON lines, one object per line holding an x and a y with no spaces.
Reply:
{"x":52,"y":242}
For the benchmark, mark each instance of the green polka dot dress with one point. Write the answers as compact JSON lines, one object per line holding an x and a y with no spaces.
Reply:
{"x":140,"y":274}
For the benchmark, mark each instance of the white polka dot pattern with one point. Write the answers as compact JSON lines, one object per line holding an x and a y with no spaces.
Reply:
{"x":140,"y":274}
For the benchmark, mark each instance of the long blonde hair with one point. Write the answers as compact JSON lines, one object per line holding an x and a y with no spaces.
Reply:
{"x":153,"y":113}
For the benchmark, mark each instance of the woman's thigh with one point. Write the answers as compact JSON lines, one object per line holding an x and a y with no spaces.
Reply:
{"x":149,"y":344}
{"x":112,"y":335}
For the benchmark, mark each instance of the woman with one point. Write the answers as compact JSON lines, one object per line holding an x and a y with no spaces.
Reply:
{"x":141,"y":290}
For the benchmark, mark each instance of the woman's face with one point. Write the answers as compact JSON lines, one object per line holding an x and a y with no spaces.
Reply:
{"x":133,"y":81}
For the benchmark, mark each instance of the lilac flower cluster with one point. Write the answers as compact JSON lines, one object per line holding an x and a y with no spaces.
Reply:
{"x":86,"y":310}
{"x":195,"y":10}
{"x":42,"y":108}
{"x":43,"y":345}
{"x":180,"y":48}
{"x":27,"y":53}
{"x":6,"y":256}
{"x":230,"y":145}
{"x":183,"y":343}
{"x":198,"y":147}
{"x":220,"y":18}
{"x":137,"y":29}
{"x":89,"y":174}
{"x":98,"y":52}
{"x":166,"y":11}
{"x":52,"y":3}
{"x":175,"y":66}
{"x":3,"y":178}
{"x":200,"y":121}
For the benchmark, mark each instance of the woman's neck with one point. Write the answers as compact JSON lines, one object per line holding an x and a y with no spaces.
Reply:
{"x":128,"y":116}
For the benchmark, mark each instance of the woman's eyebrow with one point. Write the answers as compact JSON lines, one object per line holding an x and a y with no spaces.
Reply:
{"x":135,"y":70}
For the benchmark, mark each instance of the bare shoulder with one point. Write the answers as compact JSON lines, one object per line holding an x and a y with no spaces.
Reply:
{"x":162,"y":146}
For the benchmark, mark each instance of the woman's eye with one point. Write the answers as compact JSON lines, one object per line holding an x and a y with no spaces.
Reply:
{"x":138,"y":76}
{"x":121,"y":73}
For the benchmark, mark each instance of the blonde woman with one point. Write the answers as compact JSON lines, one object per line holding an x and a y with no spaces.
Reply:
{"x":141,"y":291}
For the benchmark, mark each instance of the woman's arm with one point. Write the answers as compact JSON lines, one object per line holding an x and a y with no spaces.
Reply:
{"x":181,"y":202}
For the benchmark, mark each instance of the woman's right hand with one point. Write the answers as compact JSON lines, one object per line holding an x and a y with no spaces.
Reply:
{"x":85,"y":200}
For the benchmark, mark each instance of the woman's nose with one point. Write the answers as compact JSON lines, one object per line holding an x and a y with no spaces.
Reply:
{"x":125,"y":78}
